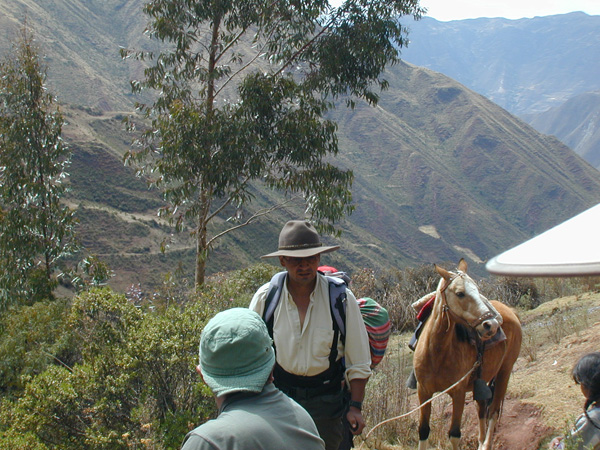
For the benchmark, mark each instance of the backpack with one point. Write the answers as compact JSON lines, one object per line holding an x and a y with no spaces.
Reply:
{"x":374,"y":316}
{"x":377,"y":323}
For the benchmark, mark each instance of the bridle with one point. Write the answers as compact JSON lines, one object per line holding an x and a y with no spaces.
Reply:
{"x":491,"y":313}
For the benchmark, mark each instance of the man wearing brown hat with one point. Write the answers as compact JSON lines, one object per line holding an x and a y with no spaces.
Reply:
{"x":313,"y":363}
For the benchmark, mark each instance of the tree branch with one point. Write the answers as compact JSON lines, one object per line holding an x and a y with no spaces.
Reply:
{"x":56,"y":359}
{"x":244,"y":67}
{"x":309,"y":43}
{"x":252,"y":218}
{"x":220,"y":208}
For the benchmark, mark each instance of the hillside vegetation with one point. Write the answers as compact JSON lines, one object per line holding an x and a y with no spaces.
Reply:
{"x":440,"y":172}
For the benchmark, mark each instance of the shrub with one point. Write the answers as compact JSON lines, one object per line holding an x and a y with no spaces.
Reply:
{"x":237,"y":288}
{"x":513,"y":291}
{"x":101,"y":321}
{"x":132,"y":379}
{"x":32,"y":338}
{"x":396,"y":290}
{"x":59,"y":408}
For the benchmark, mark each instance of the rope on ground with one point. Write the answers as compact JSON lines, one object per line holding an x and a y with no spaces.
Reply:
{"x":364,"y":442}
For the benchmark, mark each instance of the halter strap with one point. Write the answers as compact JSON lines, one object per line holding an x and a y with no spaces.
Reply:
{"x":490,"y":314}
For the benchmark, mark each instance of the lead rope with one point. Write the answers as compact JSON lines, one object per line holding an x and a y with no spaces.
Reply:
{"x":364,"y":442}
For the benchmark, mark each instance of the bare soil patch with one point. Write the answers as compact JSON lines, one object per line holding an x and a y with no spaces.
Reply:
{"x":521,"y":427}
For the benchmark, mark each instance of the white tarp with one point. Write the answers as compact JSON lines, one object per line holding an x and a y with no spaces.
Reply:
{"x":569,"y":249}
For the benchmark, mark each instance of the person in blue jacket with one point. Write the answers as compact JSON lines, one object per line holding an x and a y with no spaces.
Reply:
{"x":236,"y":362}
{"x":586,"y":432}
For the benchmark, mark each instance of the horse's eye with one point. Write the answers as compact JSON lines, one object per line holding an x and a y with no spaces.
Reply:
{"x":460,"y":294}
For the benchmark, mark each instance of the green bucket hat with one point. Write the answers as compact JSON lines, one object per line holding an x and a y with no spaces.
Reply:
{"x":236,"y":352}
{"x":300,"y":239}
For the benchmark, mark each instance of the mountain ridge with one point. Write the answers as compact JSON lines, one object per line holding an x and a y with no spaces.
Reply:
{"x":519,"y":64}
{"x":576,"y":123}
{"x":441,"y":172}
{"x":535,"y":68}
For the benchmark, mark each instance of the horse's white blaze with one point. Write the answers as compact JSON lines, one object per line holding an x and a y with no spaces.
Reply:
{"x":472,"y":306}
{"x":472,"y":291}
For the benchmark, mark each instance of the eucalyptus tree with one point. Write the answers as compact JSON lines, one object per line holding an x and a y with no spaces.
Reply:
{"x":242,"y":90}
{"x":36,"y":228}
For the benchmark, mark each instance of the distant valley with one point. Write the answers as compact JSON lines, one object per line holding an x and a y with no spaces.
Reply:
{"x":576,"y":123}
{"x":546,"y":70}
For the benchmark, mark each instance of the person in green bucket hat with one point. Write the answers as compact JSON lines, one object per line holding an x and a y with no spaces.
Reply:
{"x":236,"y":362}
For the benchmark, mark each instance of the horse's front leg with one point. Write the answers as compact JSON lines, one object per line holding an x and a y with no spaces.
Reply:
{"x":492,"y":412}
{"x":489,"y":436}
{"x":458,"y":406}
{"x":424,"y":415}
{"x":482,"y":409}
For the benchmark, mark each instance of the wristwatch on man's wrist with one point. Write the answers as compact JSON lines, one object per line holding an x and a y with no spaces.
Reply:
{"x":357,"y":405}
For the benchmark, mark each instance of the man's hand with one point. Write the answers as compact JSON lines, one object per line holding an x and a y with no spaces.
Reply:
{"x":355,"y":419}
{"x":354,"y":416}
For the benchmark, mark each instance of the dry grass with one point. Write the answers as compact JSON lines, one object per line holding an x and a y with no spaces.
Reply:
{"x":560,"y":331}
{"x":387,"y":396}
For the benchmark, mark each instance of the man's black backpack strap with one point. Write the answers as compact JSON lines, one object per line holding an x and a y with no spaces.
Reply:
{"x":275,"y":288}
{"x":337,"y":301}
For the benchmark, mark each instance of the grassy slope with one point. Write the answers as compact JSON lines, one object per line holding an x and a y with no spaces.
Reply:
{"x":557,"y":333}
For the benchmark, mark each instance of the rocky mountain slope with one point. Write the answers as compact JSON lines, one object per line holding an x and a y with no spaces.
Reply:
{"x":576,"y":123}
{"x":440,"y":171}
{"x":545,"y":69}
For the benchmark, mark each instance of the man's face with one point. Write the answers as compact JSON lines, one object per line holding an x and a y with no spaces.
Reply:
{"x":301,"y":270}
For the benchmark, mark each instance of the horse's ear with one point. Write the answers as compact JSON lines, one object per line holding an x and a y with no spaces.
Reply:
{"x":443,"y":272}
{"x":462,"y":265}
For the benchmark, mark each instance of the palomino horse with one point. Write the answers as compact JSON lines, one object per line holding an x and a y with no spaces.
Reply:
{"x":465,"y":332}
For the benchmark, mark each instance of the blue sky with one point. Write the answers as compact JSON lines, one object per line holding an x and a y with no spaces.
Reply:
{"x":445,"y":10}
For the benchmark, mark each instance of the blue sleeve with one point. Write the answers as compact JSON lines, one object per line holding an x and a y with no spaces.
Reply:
{"x":585,"y":435}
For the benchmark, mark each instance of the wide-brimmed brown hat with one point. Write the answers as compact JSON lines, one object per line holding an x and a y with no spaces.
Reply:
{"x":298,"y":238}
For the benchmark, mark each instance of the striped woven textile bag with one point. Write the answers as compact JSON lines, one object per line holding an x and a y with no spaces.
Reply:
{"x":377,"y":323}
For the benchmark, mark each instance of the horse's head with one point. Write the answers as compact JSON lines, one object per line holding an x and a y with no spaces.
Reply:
{"x":465,"y":303}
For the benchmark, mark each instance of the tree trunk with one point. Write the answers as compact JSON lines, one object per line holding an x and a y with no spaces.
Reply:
{"x":206,"y":196}
{"x":201,"y":253}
